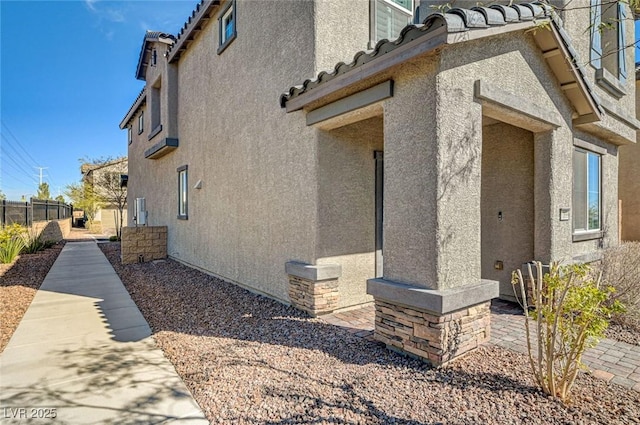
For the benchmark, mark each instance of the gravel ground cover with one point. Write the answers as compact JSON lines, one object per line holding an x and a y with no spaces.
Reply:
{"x":251,"y":360}
{"x":19,"y":282}
{"x":625,"y":333}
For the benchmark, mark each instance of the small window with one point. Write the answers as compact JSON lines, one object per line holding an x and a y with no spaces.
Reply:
{"x":141,"y":123}
{"x":129,"y":135}
{"x":587,"y":199}
{"x":227,"y":25}
{"x":182,"y":193}
{"x":388,"y":17}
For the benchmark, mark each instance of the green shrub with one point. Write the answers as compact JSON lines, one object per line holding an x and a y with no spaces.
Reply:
{"x":621,"y":269}
{"x":113,"y":238}
{"x":570,"y":312}
{"x":32,"y":242}
{"x":10,"y":249}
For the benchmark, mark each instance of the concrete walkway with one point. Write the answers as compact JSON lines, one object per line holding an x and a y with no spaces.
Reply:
{"x":84,"y":352}
{"x":613,"y":361}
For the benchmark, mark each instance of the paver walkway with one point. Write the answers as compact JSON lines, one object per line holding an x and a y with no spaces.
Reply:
{"x":614,"y":361}
{"x":84,"y":351}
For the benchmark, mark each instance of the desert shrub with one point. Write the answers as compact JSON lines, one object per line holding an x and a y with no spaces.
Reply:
{"x":113,"y":238}
{"x":569,"y":310}
{"x":621,"y":269}
{"x":32,"y":242}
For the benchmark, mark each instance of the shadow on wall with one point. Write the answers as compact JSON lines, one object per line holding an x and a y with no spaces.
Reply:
{"x":55,"y":230}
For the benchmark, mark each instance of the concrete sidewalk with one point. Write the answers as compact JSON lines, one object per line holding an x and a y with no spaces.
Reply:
{"x":84,"y":351}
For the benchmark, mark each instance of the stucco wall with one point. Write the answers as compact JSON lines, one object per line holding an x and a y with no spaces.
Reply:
{"x":507,"y":205}
{"x":630,"y":184}
{"x":257,"y":206}
{"x":346,"y":207}
{"x":341,"y":30}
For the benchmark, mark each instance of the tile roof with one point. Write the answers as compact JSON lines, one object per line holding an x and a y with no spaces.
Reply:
{"x":456,"y":20}
{"x":199,"y":17}
{"x":149,"y":37}
{"x":140,"y":100}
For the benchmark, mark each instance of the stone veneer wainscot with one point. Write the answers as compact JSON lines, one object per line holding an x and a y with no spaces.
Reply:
{"x":140,"y":244}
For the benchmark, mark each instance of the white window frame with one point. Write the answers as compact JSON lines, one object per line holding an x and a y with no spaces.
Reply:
{"x":594,"y":232}
{"x":373,"y":16}
{"x":226,"y":39}
{"x":129,"y":134}
{"x":183,"y":192}
{"x":141,"y":122}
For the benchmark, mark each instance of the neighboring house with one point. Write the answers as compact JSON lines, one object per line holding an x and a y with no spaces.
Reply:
{"x":629,"y":179}
{"x":472,"y":144}
{"x":106,"y":179}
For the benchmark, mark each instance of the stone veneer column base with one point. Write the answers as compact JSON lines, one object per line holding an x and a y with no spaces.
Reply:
{"x":315,"y":298}
{"x":313,"y":289}
{"x":432,"y":337}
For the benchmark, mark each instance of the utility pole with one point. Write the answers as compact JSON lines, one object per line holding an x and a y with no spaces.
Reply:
{"x":40,"y":175}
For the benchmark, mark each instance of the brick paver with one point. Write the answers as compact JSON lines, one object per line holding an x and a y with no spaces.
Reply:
{"x":613,"y":361}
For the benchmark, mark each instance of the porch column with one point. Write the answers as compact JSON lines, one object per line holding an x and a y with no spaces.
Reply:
{"x":431,"y":301}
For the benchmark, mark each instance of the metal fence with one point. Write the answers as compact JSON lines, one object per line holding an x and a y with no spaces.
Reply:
{"x":25,"y":213}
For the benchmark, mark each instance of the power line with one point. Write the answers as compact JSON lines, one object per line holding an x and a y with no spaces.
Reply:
{"x":19,"y":167}
{"x":16,"y":151}
{"x":18,"y":142}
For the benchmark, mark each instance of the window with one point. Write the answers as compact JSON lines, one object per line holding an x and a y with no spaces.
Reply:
{"x":141,"y":123}
{"x":182,"y":193}
{"x":129,"y":135}
{"x":388,"y":17}
{"x":156,"y":109}
{"x":227,"y":25}
{"x":587,"y":200}
{"x":608,"y":42}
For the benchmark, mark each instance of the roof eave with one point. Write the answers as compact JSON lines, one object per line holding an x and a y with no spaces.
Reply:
{"x":140,"y":100}
{"x":199,"y":17}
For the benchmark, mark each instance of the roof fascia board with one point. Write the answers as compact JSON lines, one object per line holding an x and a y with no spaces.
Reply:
{"x":142,"y":98}
{"x":190,"y":27}
{"x":402,"y":54}
{"x":595,"y":109}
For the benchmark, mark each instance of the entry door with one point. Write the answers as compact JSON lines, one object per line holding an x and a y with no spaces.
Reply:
{"x":379,"y":158}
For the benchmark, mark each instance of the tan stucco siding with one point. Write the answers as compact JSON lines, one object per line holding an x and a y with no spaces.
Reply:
{"x":629,"y":180}
{"x":341,"y":30}
{"x":515,"y":65}
{"x":346,"y":208}
{"x":256,"y":209}
{"x":409,"y":189}
{"x":507,"y":202}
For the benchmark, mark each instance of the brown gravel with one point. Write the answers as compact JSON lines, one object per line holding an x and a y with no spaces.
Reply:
{"x":625,"y":333}
{"x":249,"y":359}
{"x":19,"y":282}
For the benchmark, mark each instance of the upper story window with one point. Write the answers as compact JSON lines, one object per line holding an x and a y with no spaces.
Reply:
{"x":608,"y":44}
{"x":587,"y":199}
{"x":388,"y":17}
{"x":129,"y":135}
{"x":141,"y":123}
{"x":156,"y":109}
{"x":227,"y":25}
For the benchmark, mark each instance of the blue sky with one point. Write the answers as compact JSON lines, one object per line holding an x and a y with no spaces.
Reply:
{"x":66,"y":81}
